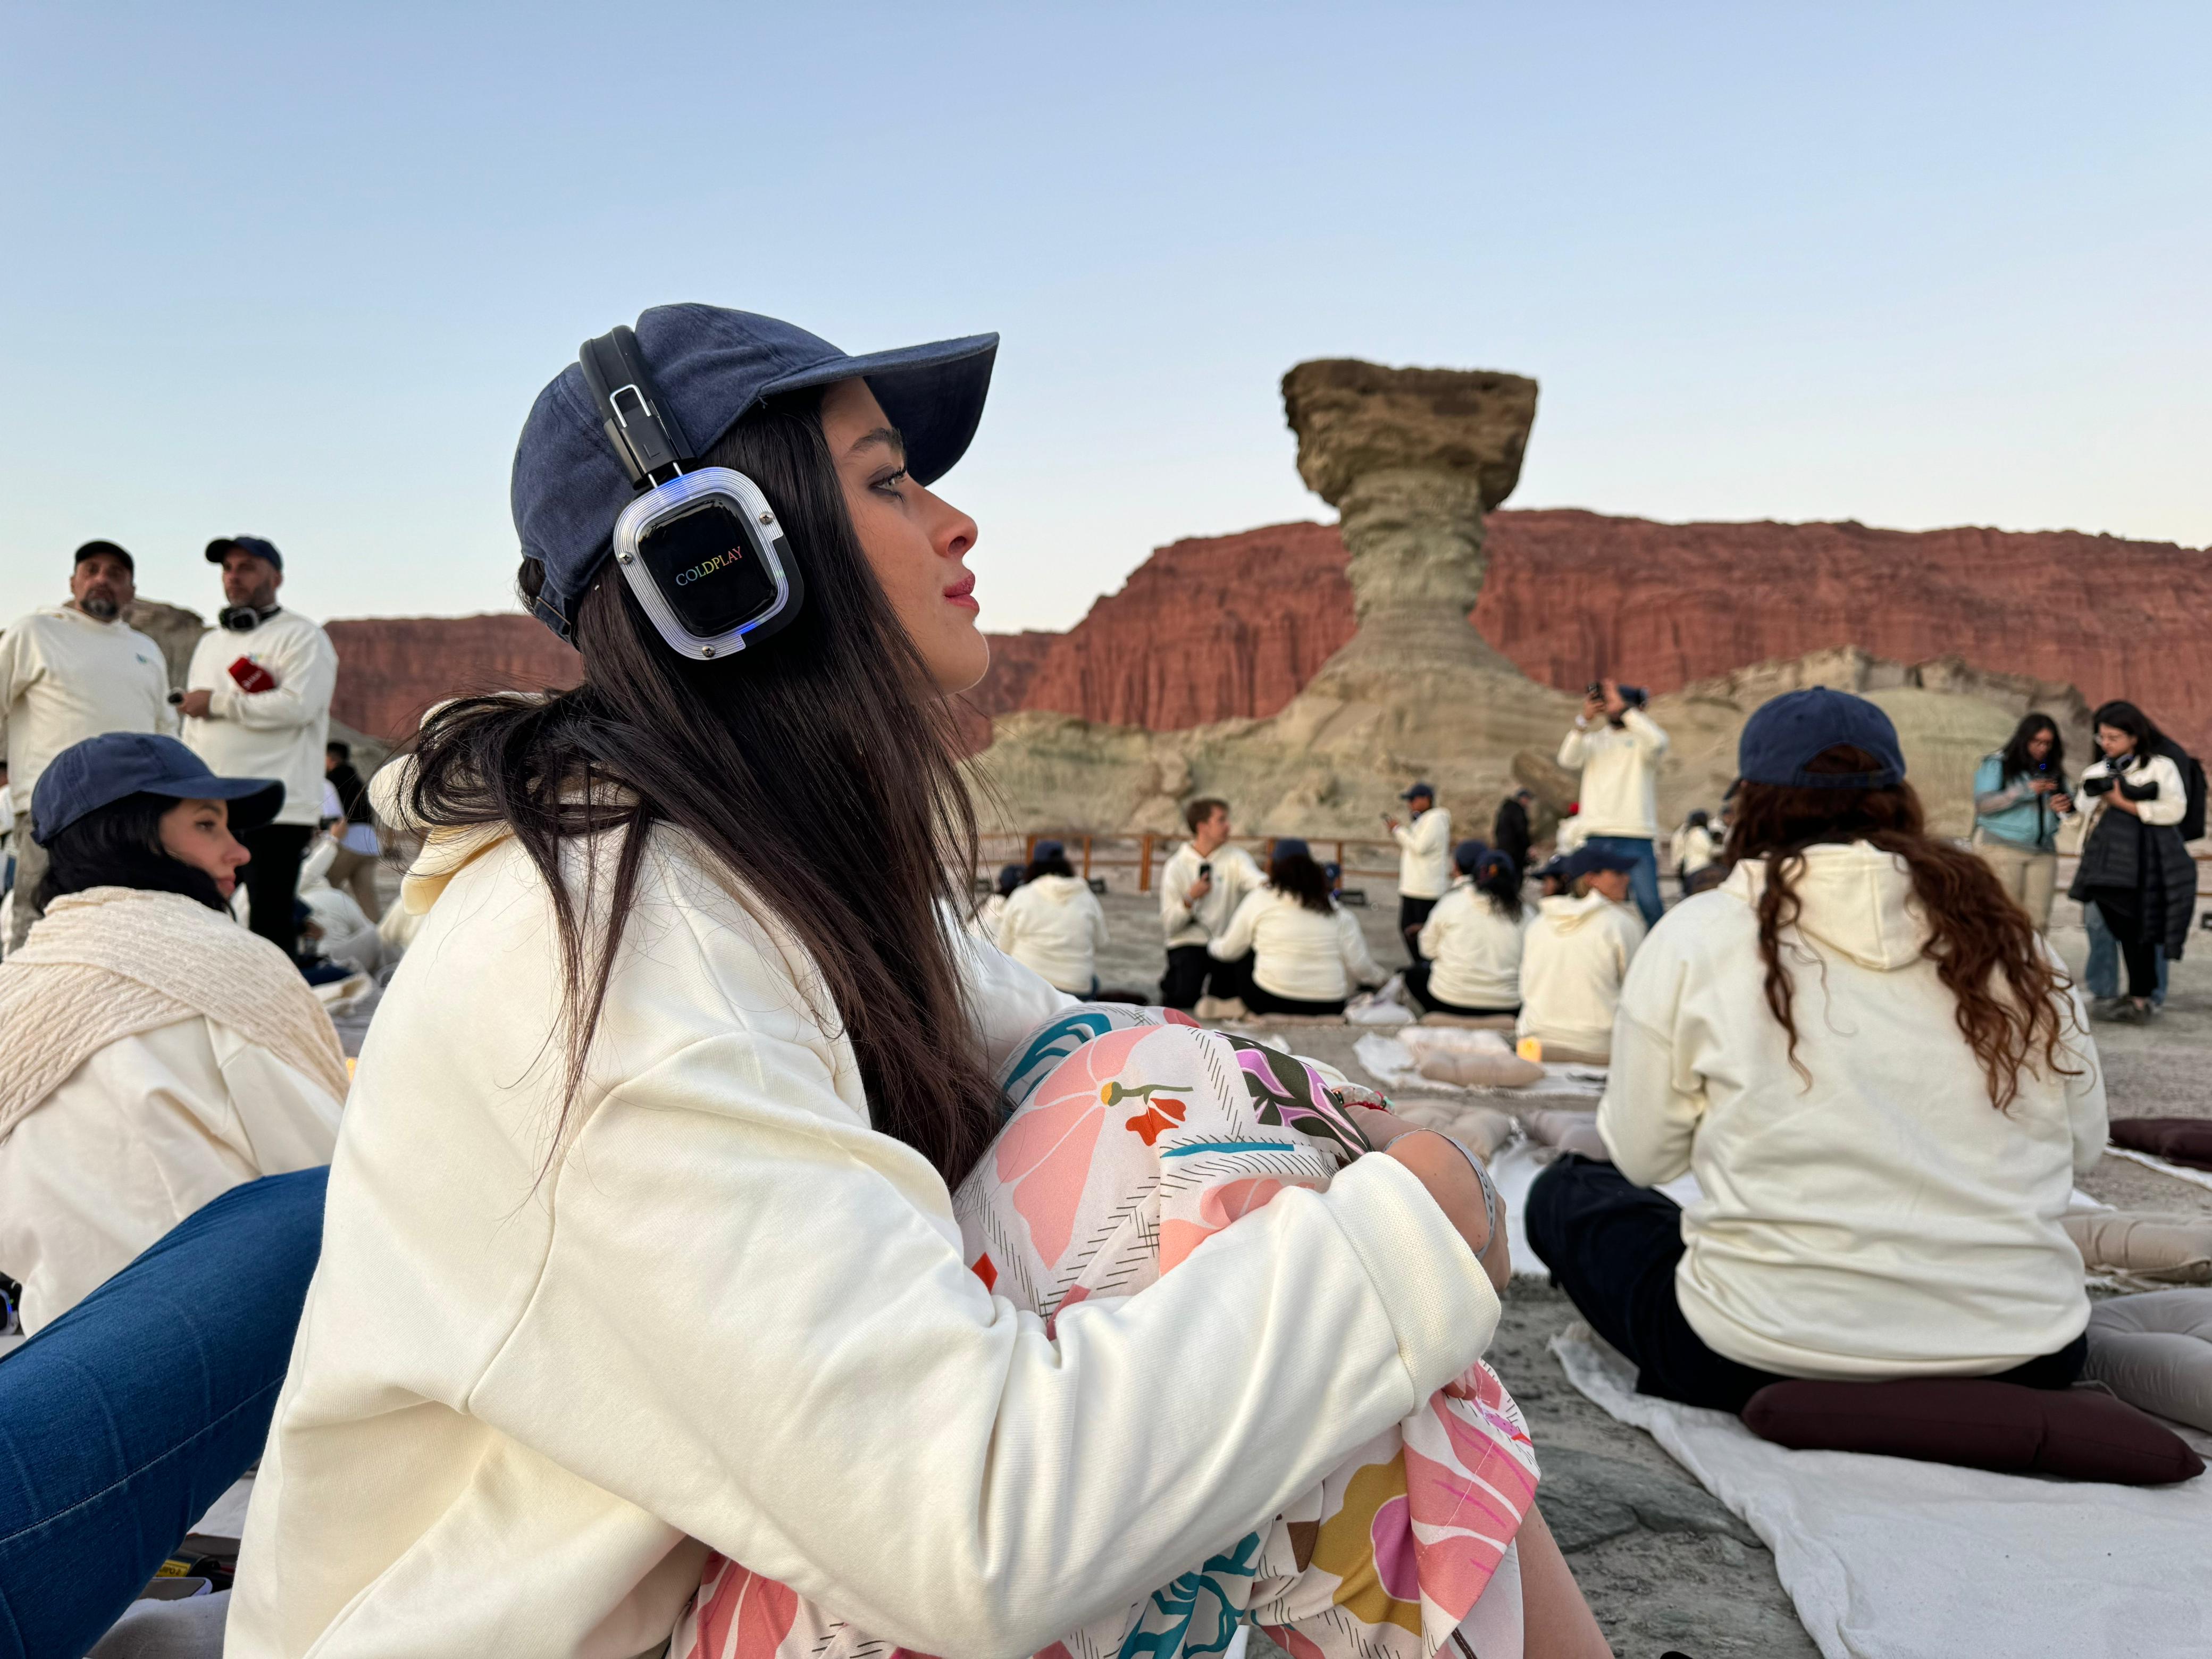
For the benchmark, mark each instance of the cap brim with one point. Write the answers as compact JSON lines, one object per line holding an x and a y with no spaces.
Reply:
{"x":217,"y":548}
{"x":933,"y":393}
{"x":255,"y":802}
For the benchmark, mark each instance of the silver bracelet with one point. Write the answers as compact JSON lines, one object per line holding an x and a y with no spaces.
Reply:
{"x":1481,"y":1175}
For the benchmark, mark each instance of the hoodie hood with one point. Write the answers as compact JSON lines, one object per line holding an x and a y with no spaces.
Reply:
{"x":1059,"y":889}
{"x":1854,"y":900}
{"x":1566,"y":913}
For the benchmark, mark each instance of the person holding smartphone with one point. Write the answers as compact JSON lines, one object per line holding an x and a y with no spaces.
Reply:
{"x":1424,"y":864}
{"x":2021,"y":798}
{"x":1618,"y":747}
{"x":1202,"y":884}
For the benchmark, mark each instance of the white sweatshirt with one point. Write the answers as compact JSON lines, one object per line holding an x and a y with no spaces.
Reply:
{"x":534,"y":1385}
{"x":1476,"y":952}
{"x":1620,"y":771}
{"x":277,"y":733}
{"x":1055,"y":926}
{"x":141,"y":1134}
{"x":1235,"y":876}
{"x":1300,"y":953}
{"x":1572,"y":966}
{"x":1884,"y":1220}
{"x":1694,"y":848}
{"x":1424,"y":850}
{"x":66,"y":676}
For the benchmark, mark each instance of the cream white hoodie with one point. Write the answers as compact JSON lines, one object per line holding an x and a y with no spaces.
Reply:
{"x":66,"y":676}
{"x":534,"y":1383}
{"x":1297,"y":953}
{"x":1235,"y":876}
{"x":277,"y":733}
{"x":1055,"y":926}
{"x":1476,"y":950}
{"x":1572,"y":966}
{"x":1620,"y":770}
{"x":1425,"y":865}
{"x":1884,"y":1219}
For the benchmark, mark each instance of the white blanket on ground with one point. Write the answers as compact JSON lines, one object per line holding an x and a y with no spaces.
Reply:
{"x":1392,"y":1062}
{"x":1889,"y":1558}
{"x":2179,"y":1171}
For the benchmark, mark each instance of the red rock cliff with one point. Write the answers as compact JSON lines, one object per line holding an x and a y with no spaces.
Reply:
{"x":392,"y":668}
{"x":1233,"y":625}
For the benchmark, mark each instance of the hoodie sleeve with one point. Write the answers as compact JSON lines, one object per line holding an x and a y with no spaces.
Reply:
{"x":306,"y":671}
{"x":1174,"y":890}
{"x":1572,"y":750}
{"x":1236,"y":938}
{"x":1644,"y":732}
{"x":1358,"y":961}
{"x":1654,"y":1101}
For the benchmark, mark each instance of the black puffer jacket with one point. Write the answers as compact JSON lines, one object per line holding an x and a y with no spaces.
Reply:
{"x":2122,"y":853}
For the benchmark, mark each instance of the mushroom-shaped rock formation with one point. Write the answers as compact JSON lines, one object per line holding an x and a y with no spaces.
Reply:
{"x":1412,"y":458}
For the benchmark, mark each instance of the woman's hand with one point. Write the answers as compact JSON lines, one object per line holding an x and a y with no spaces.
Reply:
{"x":1441,"y":1167}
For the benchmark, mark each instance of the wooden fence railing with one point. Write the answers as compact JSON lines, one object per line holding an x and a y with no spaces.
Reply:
{"x":1142,"y":854}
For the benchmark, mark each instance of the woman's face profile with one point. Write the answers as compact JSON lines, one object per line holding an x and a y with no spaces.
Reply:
{"x":914,"y":542}
{"x":2115,"y":742}
{"x":197,"y":833}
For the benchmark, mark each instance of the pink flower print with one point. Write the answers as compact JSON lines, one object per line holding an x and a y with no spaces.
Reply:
{"x":741,"y":1615}
{"x":1044,"y":1155}
{"x":1219,"y":1206}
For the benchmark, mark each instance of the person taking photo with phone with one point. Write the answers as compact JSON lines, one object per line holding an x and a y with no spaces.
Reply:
{"x":2020,"y":799}
{"x":1618,"y":748}
{"x":1425,"y":865}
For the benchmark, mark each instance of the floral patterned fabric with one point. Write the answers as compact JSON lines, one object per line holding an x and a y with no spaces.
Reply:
{"x":1134,"y":1137}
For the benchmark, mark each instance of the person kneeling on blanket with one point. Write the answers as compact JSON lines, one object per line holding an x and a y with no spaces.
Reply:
{"x":1882,"y":1078}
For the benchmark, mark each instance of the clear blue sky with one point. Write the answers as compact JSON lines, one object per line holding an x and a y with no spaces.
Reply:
{"x":299,"y":270}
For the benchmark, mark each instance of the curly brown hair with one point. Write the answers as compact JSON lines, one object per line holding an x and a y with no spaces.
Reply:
{"x":1985,"y":947}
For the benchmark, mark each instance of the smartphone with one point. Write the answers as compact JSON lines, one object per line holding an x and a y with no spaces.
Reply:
{"x":1205,"y":870}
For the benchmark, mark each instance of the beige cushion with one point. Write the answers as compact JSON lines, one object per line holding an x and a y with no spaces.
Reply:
{"x":2154,"y":1351}
{"x":1472,"y":1068}
{"x":2149,"y":1246}
{"x":1571,"y":1132}
{"x":1482,"y":1129}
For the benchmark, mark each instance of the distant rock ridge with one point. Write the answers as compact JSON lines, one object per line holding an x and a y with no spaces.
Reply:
{"x":1233,"y":626}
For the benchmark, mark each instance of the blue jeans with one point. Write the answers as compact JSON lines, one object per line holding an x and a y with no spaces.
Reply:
{"x":2103,"y":973}
{"x":124,"y":1419}
{"x":1643,"y":879}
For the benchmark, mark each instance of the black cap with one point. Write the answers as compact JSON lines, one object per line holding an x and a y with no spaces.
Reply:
{"x":94,"y":550}
{"x":101,"y":771}
{"x":258,"y":546}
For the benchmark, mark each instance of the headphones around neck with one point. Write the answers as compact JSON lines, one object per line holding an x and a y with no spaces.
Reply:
{"x":700,"y":546}
{"x":244,"y":618}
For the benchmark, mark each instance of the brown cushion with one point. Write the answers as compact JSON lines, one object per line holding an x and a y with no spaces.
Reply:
{"x":2178,"y":1140}
{"x":2081,"y":1433}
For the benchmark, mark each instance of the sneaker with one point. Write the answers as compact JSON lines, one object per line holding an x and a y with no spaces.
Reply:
{"x":2126,"y":1010}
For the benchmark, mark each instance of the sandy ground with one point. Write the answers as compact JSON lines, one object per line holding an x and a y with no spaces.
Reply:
{"x":1663,"y":1564}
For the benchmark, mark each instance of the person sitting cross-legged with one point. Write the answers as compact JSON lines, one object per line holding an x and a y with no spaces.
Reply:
{"x":1882,"y":1079}
{"x":1471,"y":945}
{"x":1307,"y":953}
{"x":1577,"y":954}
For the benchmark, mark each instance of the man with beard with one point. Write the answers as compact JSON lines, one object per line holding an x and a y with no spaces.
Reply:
{"x":68,"y":673}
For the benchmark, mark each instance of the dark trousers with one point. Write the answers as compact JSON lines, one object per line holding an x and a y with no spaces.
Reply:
{"x":2123,"y":910}
{"x":272,"y":881}
{"x":1193,"y":973}
{"x":1417,"y":987}
{"x":1612,"y":1247}
{"x":1412,"y":913}
{"x":1266,"y":1002}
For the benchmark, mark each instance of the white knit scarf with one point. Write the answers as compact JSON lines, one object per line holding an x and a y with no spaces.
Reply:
{"x":110,"y":963}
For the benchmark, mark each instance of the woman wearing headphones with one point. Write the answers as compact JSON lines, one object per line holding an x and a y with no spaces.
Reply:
{"x":641,"y":1253}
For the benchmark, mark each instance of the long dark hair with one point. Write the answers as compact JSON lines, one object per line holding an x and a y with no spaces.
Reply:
{"x":1499,"y":879}
{"x":119,"y":845}
{"x":817,"y":769}
{"x":2126,"y":717}
{"x":2016,"y":762}
{"x":1302,"y":879}
{"x":1985,"y":947}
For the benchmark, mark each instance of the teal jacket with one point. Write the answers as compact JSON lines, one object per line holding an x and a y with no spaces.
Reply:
{"x":2016,"y":816}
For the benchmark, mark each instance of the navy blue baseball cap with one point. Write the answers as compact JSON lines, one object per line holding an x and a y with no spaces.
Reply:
{"x":101,"y":771}
{"x":1790,"y":730}
{"x":1589,"y":860}
{"x":256,"y":545}
{"x":1428,"y":789}
{"x":1289,"y":847}
{"x":1467,"y":854}
{"x":1047,"y":849}
{"x":712,"y":367}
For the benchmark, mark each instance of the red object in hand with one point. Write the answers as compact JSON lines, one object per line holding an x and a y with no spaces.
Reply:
{"x":251,"y":675}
